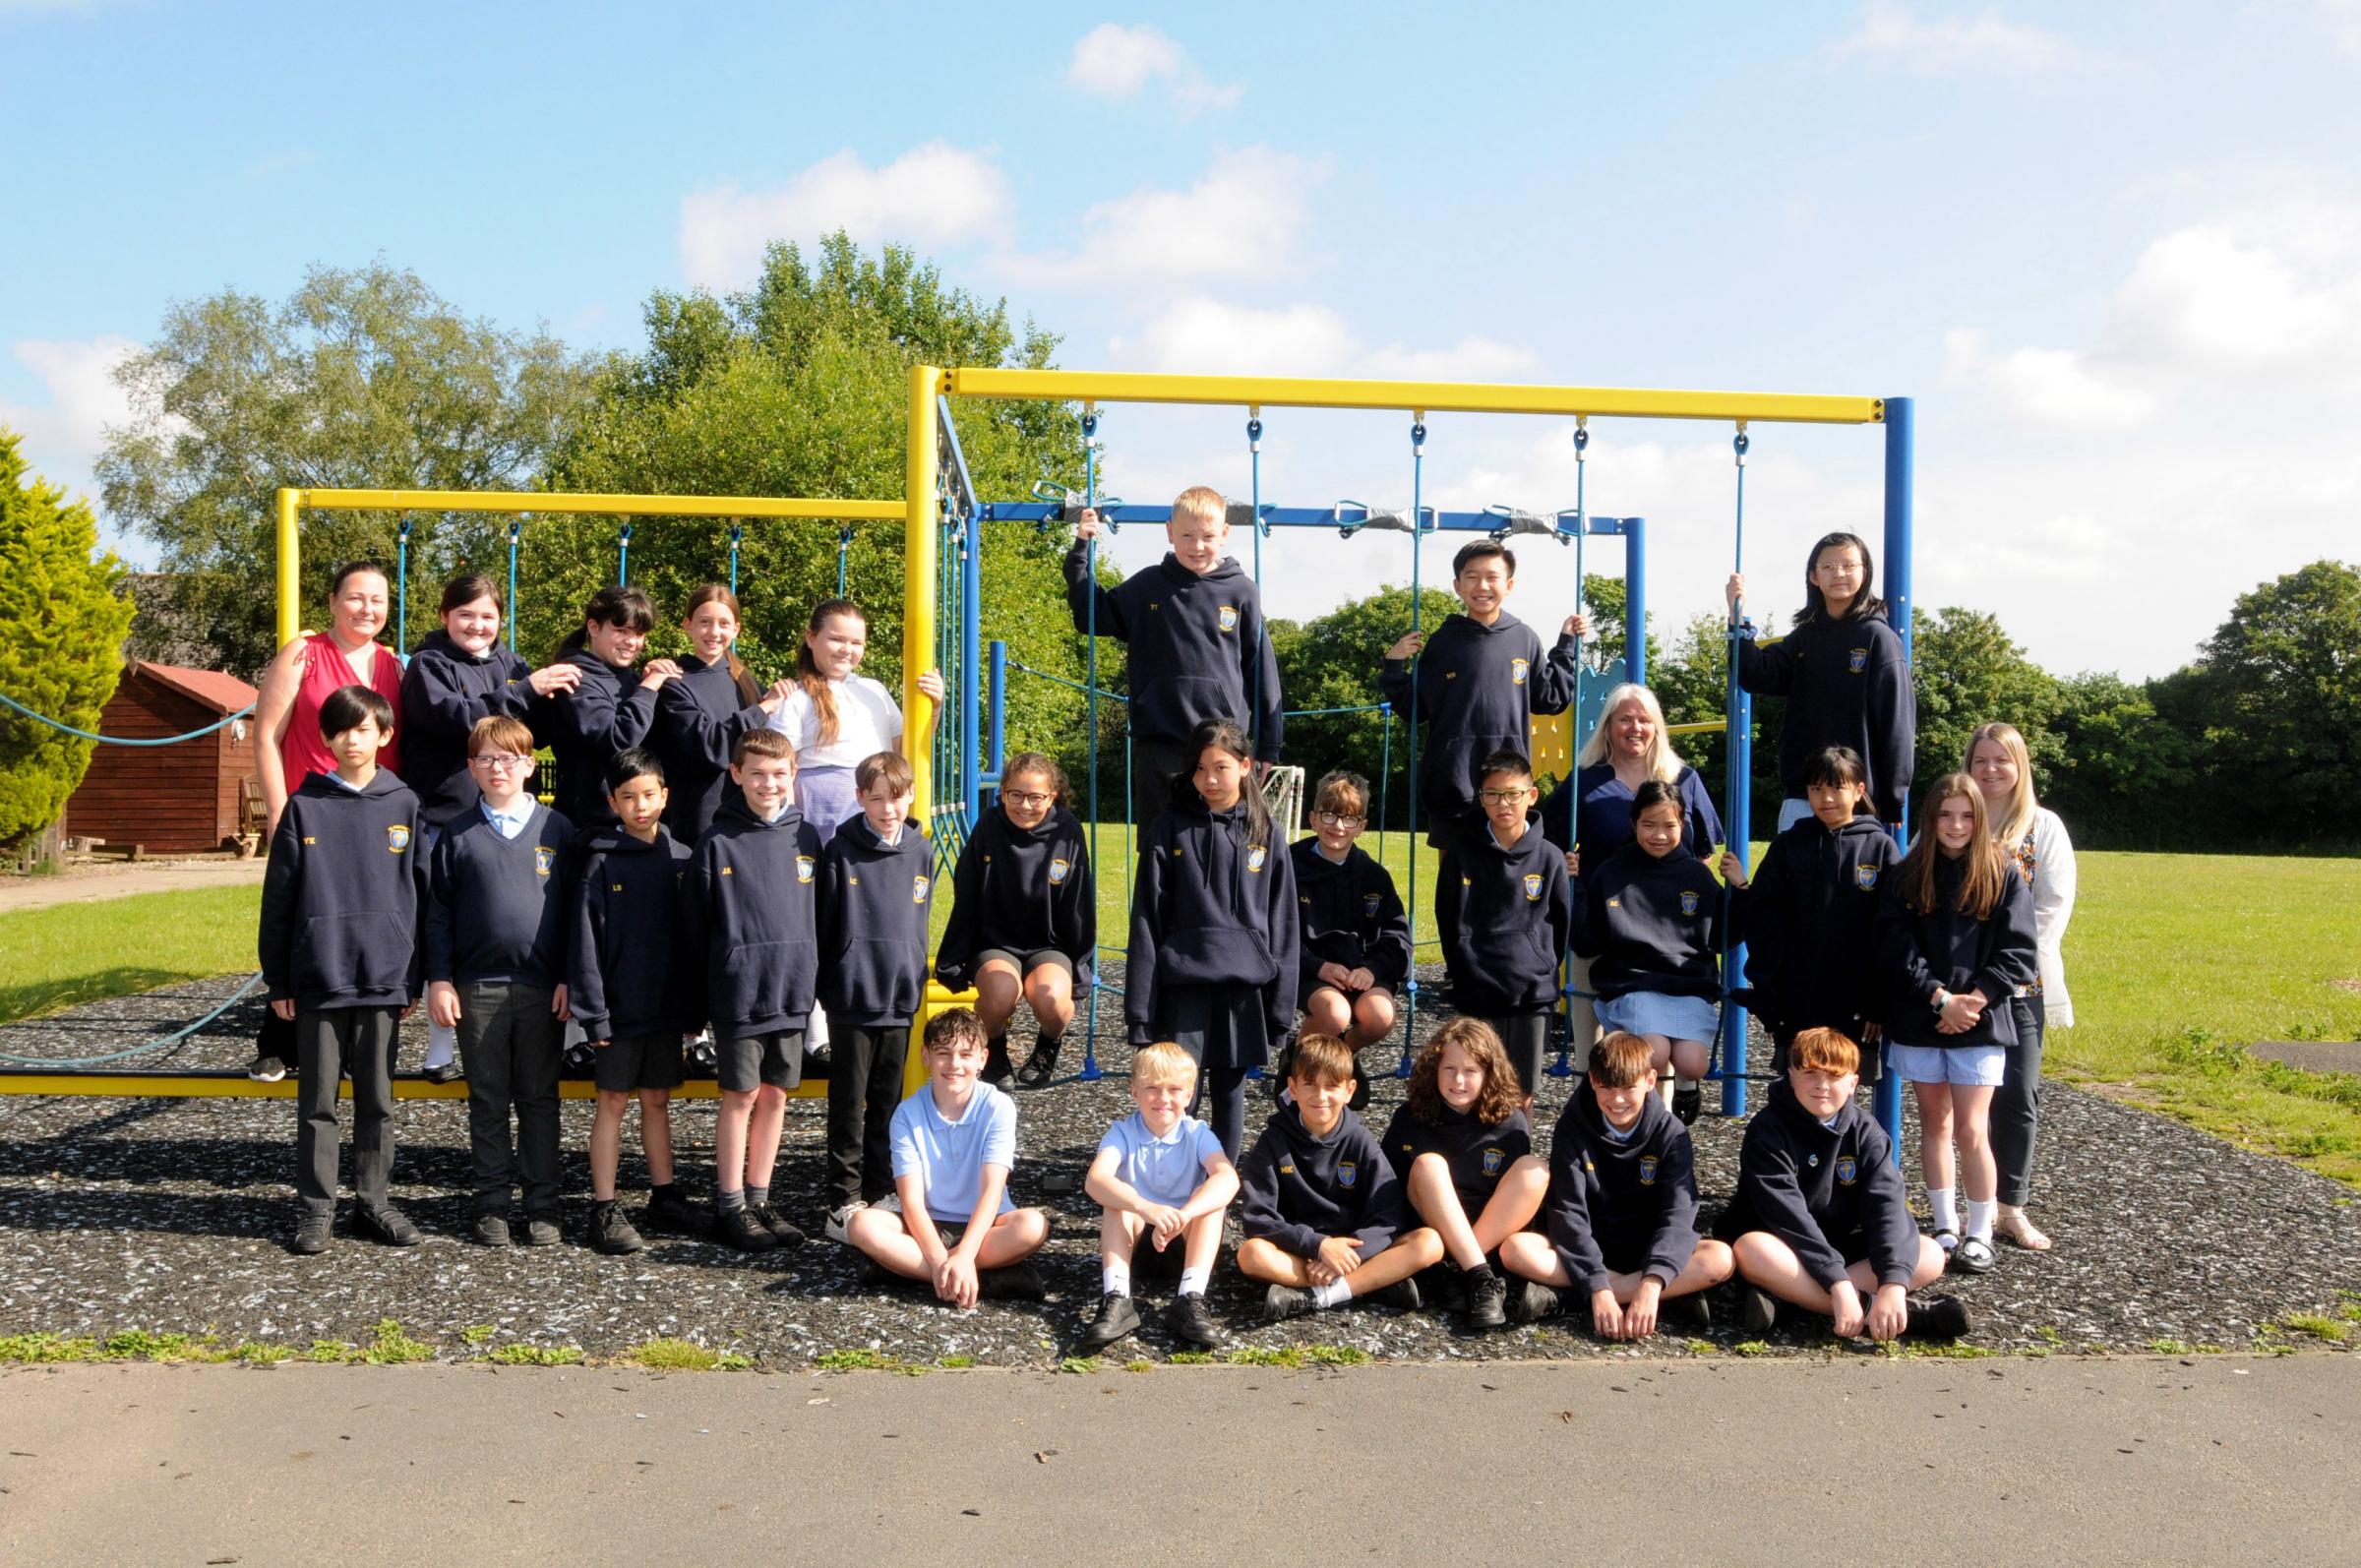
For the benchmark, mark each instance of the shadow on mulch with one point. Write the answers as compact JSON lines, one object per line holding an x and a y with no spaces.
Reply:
{"x":171,"y":1214}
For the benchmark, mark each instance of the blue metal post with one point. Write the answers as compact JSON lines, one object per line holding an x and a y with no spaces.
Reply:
{"x":971,"y":640}
{"x":992,"y":772}
{"x":1738,"y":754}
{"x":515,"y":534}
{"x":1635,"y":600}
{"x":1091,"y":1072}
{"x":1410,"y":988}
{"x":623,"y":558}
{"x":1898,"y":477}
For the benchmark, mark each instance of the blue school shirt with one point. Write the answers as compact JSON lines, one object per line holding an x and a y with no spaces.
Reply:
{"x":949,"y":1157}
{"x":1164,"y":1170}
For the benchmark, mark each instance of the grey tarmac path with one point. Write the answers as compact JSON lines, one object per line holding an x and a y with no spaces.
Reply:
{"x":1855,"y":1461}
{"x":90,"y":882}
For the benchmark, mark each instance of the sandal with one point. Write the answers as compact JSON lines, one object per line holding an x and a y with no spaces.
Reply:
{"x":2016,"y":1228}
{"x":1948,"y":1240}
{"x":1975,"y":1255}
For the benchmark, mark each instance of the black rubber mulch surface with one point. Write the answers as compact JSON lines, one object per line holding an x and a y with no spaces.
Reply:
{"x":170,"y":1215}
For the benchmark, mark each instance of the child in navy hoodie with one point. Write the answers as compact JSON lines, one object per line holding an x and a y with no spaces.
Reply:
{"x":1198,"y":648}
{"x":1481,"y":678}
{"x":1621,"y":1216}
{"x":1500,"y":907}
{"x":1809,"y":916}
{"x":701,"y":716}
{"x":1957,"y":939}
{"x":1212,"y":964}
{"x":876,"y":881}
{"x":1650,"y":920}
{"x":627,"y":984}
{"x":1324,"y":1218}
{"x":1819,"y":1219}
{"x":1463,"y":1146}
{"x":496,"y":973}
{"x":748,"y":909}
{"x":1024,"y":915}
{"x":339,"y":945}
{"x":1356,"y":945}
{"x":611,"y":708}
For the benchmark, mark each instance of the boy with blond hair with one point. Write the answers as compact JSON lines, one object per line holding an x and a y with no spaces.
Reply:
{"x":1193,"y":624}
{"x":1160,"y":1176}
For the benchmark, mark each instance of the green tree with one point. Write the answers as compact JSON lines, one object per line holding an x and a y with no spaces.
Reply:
{"x":1968,"y":672}
{"x":362,"y":378}
{"x":2122,"y":778}
{"x":63,"y":652}
{"x":799,"y":387}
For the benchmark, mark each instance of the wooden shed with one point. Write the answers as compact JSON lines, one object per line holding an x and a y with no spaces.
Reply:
{"x":168,"y":799}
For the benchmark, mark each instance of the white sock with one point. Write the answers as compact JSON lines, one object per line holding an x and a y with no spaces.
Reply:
{"x":1115,"y":1279}
{"x":1946,"y":1209}
{"x":1979,"y":1219}
{"x":1336,"y":1292}
{"x":1194,"y":1280}
{"x":1664,"y":1088}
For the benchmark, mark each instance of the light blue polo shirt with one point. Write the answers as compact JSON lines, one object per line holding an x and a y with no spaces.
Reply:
{"x":949,"y":1157}
{"x":1164,"y":1170}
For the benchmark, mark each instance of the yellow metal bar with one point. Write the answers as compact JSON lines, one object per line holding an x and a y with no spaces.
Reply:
{"x":207,"y":1086}
{"x":555,"y":504}
{"x":290,"y":568}
{"x":1703,"y":727}
{"x":1475,"y":398}
{"x":919,"y":569}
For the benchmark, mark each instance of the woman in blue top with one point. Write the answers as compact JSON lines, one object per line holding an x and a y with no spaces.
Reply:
{"x":1592,"y":812}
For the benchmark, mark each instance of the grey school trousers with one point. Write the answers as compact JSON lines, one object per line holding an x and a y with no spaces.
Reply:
{"x":509,"y":1045}
{"x":327,"y":1044}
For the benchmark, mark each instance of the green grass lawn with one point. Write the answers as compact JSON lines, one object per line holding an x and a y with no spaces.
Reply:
{"x":2177,"y":963}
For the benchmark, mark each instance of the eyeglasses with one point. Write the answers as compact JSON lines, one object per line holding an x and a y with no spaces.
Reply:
{"x":1337,"y":819}
{"x":1503,"y":797}
{"x":1026,"y":797}
{"x":499,"y":762}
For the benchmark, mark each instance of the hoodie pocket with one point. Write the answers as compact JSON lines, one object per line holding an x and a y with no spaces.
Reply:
{"x":357,"y":954}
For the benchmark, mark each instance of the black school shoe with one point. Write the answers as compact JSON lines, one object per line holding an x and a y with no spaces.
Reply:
{"x":1117,"y":1316}
{"x":386,"y":1224}
{"x":1188,"y":1321}
{"x":1042,"y":1065}
{"x":1532,"y":1303}
{"x":1487,"y":1300}
{"x":446,"y":1072}
{"x":1018,"y":1282}
{"x":1758,"y":1310}
{"x":611,"y":1233}
{"x":669,"y":1209}
{"x":541,"y":1230}
{"x":1688,"y":1311}
{"x":312,"y":1232}
{"x":740,"y":1228}
{"x":1938,"y":1317}
{"x":491,"y":1229}
{"x":781,"y":1232}
{"x":1402,"y":1295}
{"x":1283,"y":1302}
{"x":1687,"y":1101}
{"x":996,"y":1070}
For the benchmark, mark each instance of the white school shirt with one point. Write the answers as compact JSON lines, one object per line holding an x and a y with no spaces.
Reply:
{"x":867,"y":721}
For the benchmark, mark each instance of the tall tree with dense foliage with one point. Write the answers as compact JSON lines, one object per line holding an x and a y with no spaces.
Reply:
{"x":362,"y":378}
{"x":63,"y":652}
{"x":1968,"y":671}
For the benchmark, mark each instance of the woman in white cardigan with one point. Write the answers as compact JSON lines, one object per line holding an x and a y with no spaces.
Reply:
{"x":2033,"y":835}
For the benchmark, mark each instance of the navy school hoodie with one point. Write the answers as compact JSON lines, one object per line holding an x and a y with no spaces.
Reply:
{"x":1809,"y":921}
{"x":1833,"y":1194}
{"x":1349,"y":915}
{"x":1651,"y":925}
{"x":1847,"y":684}
{"x":1502,"y":917}
{"x":1195,"y":645}
{"x":1479,"y":688}
{"x":1214,"y":904}
{"x":496,"y":910}
{"x":1948,"y":948}
{"x":1301,"y":1189}
{"x":1477,"y":1155}
{"x":748,"y":924}
{"x":627,"y":972}
{"x":1022,"y":890}
{"x":342,"y":896}
{"x":1592,"y":812}
{"x":874,"y":899}
{"x":698,"y":720}
{"x":608,"y":711}
{"x":1636,"y":1198}
{"x":444,"y":691}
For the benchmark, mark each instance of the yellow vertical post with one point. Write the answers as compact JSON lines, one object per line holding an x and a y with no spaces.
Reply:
{"x":290,"y":568}
{"x":920,"y":536}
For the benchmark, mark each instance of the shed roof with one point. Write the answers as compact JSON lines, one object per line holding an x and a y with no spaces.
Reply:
{"x":223,"y":694}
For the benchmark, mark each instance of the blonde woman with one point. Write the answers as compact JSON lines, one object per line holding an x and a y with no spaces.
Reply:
{"x":1589,"y":817}
{"x":2036,"y":840}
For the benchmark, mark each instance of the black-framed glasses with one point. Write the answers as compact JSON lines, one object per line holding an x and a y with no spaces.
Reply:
{"x":1338,"y":820}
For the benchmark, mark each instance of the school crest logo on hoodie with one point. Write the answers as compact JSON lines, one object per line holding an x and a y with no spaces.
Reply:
{"x":918,"y":890}
{"x":1517,"y":669}
{"x":1532,"y":887}
{"x":398,"y":837}
{"x":1368,"y":904}
{"x":1846,"y":1171}
{"x":1058,"y":869}
{"x":1348,"y":1172}
{"x":1226,"y":616}
{"x":1257,"y":854}
{"x":1491,"y":1160}
{"x":1859,"y":661}
{"x":1688,"y":901}
{"x":1646,"y":1169}
{"x":1864,"y":878}
{"x":804,"y":867}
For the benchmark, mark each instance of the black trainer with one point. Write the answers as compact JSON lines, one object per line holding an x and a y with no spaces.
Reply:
{"x":669,"y":1209}
{"x":611,"y":1233}
{"x":444,"y":1073}
{"x":1283,"y":1302}
{"x":1402,"y":1295}
{"x":312,"y":1234}
{"x":1018,"y":1282}
{"x":1041,"y":1065}
{"x":541,"y":1230}
{"x":1938,"y":1317}
{"x":1690,"y":1311}
{"x":267,"y":1069}
{"x":1758,"y":1310}
{"x":1190,"y":1323}
{"x":1532,"y":1303}
{"x":1487,"y":1300}
{"x":1687,"y":1101}
{"x":781,"y":1231}
{"x":996,"y":1070}
{"x":491,"y":1229}
{"x":740,"y":1228}
{"x":1117,"y":1316}
{"x":388,"y":1225}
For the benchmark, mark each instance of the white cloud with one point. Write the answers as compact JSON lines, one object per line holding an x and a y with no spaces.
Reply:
{"x":1198,"y":336}
{"x":1112,"y":61}
{"x":63,"y":435}
{"x":1245,"y":217}
{"x":2219,"y":297}
{"x":2049,"y":386}
{"x":932,"y":194}
{"x":1940,"y":45}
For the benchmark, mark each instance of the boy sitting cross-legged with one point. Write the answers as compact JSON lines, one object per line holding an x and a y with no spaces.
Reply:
{"x":1161,"y":1177}
{"x":1324,"y":1216}
{"x":1621,"y":1213}
{"x":949,"y":1222}
{"x":1819,"y":1216}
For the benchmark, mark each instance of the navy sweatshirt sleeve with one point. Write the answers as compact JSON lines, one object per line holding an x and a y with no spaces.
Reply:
{"x":1885,"y":1221}
{"x":692,"y":730}
{"x":2010,"y":947}
{"x":283,"y":878}
{"x":1139,"y":972}
{"x":1074,"y":908}
{"x":1259,"y":670}
{"x":1893,"y":715}
{"x":1258,"y":1187}
{"x":442,"y":898}
{"x":1287,"y":935}
{"x":1555,"y":676}
{"x":1383,"y":1215}
{"x":1083,"y":592}
{"x":1388,"y":956}
{"x":1768,"y":669}
{"x":595,"y":720}
{"x":1567,"y":1213}
{"x":435,"y":697}
{"x":1911,"y":977}
{"x":585,"y":985}
{"x":1765,"y":914}
{"x":1675,"y":1237}
{"x":962,"y":937}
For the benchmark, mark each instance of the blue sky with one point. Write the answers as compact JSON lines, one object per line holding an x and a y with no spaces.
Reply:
{"x":2113,"y":250}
